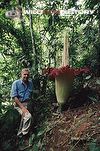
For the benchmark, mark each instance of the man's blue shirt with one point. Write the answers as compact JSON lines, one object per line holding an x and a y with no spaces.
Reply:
{"x":21,"y":90}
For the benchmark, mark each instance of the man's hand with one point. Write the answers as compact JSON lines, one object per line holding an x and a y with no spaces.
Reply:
{"x":24,"y":111}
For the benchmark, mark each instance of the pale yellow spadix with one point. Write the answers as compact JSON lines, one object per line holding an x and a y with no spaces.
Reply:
{"x":65,"y":55}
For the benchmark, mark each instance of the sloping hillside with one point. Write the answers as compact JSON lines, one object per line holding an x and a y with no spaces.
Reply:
{"x":74,"y":130}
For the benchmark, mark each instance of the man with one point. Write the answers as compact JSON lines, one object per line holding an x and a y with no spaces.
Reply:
{"x":21,"y":93}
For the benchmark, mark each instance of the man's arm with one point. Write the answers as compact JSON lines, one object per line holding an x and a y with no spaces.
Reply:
{"x":14,"y":95}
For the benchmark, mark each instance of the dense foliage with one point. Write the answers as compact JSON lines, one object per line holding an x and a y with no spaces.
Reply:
{"x":36,"y":41}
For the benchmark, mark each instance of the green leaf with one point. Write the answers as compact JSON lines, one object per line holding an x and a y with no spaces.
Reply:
{"x":40,"y":133}
{"x":93,"y":146}
{"x":98,"y":81}
{"x":93,"y":99}
{"x":35,"y":147}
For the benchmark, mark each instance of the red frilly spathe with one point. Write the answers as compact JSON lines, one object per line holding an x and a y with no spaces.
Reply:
{"x":65,"y":70}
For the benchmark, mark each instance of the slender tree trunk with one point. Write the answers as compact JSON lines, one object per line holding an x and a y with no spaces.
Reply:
{"x":24,"y":40}
{"x":35,"y":54}
{"x":98,"y":47}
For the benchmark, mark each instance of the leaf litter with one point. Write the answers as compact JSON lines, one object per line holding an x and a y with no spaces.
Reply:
{"x":74,"y":130}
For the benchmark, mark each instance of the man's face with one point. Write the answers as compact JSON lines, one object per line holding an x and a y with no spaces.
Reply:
{"x":25,"y":76}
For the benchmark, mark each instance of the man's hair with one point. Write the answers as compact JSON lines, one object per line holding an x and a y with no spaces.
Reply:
{"x":25,"y":69}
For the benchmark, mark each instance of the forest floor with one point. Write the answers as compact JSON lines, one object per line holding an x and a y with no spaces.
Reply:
{"x":76,"y":129}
